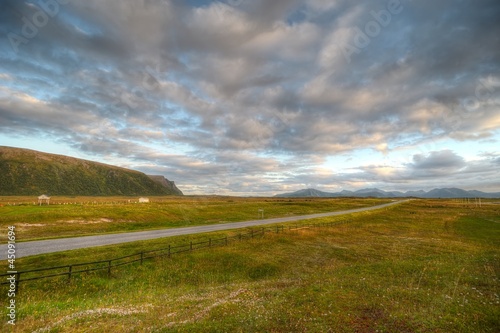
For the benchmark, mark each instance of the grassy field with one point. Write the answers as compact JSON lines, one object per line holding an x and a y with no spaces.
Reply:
{"x":67,"y":217}
{"x":422,"y":266}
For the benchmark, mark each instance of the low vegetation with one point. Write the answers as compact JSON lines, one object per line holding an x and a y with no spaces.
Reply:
{"x":29,"y":172}
{"x":78,"y":216}
{"x":422,"y":266}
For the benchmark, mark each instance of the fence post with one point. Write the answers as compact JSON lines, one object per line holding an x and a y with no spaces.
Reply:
{"x":191,"y":246}
{"x":239,"y":235}
{"x":252,"y":233}
{"x":210,"y":242}
{"x":226,"y":239}
{"x":109,"y":268}
{"x":70,"y":268}
{"x":142,"y":257}
{"x":169,"y":250}
{"x":277,"y":229}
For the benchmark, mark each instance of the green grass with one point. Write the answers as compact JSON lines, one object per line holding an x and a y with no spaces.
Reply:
{"x":89,"y":216}
{"x":423,"y":266}
{"x":28,"y":172}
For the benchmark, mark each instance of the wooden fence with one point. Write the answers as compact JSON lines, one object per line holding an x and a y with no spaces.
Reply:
{"x":107,"y":265}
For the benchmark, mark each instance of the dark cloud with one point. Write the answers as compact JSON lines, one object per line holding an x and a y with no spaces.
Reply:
{"x":438,"y":161}
{"x":433,"y":170}
{"x":240,"y":89}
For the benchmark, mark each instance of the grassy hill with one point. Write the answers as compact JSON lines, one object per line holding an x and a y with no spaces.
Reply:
{"x":29,"y":172}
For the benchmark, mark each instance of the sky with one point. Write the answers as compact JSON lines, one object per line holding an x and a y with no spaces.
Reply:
{"x":255,"y":97}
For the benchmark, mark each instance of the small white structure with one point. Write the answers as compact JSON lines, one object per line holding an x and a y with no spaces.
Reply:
{"x":43,"y":198}
{"x":143,"y":200}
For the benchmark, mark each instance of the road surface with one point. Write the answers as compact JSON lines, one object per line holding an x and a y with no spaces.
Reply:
{"x":24,"y":249}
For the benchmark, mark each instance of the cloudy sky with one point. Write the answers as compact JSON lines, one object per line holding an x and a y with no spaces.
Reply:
{"x":256,"y":97}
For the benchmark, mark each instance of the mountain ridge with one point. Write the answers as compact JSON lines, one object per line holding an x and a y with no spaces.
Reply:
{"x":374,"y":192}
{"x":31,"y":172}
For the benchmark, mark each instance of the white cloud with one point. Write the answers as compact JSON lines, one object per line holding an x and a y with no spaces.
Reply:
{"x":225,"y":85}
{"x":295,"y":43}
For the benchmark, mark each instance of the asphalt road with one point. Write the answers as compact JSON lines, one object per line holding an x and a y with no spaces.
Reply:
{"x":24,"y":249}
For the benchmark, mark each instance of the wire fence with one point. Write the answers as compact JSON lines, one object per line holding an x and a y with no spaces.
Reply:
{"x":109,"y":264}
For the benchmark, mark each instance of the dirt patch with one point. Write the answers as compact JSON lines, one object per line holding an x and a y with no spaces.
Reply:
{"x":27,"y":225}
{"x":374,"y":319}
{"x":94,"y":313}
{"x":94,"y":221}
{"x":238,"y":296}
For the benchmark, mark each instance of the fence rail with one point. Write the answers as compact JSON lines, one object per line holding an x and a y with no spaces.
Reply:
{"x":109,"y":264}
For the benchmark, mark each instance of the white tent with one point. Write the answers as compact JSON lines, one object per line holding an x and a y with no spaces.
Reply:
{"x":43,"y":198}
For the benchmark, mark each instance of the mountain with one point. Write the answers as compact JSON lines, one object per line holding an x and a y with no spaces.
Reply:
{"x":29,"y":172}
{"x":417,"y":194}
{"x":170,"y":185}
{"x":310,"y":192}
{"x":374,"y":192}
{"x":448,"y":193}
{"x":371,"y":192}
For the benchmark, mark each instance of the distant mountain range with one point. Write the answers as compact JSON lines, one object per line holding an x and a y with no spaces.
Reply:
{"x":377,"y":193}
{"x":29,"y":172}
